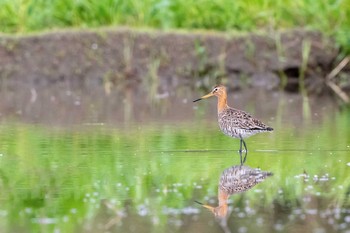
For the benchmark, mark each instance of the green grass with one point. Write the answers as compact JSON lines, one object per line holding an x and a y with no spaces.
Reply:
{"x":329,"y":16}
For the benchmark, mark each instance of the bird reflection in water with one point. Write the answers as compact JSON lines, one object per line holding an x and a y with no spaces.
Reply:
{"x":236,"y":179}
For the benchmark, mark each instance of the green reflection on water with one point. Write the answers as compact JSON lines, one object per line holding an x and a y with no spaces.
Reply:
{"x":146,"y":177}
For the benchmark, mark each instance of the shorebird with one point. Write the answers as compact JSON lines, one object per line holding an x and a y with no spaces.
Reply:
{"x":235,"y":179}
{"x":233,"y":122}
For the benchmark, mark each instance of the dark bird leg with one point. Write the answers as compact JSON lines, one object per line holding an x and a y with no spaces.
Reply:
{"x":240,"y":146}
{"x":245,"y":146}
{"x":240,"y":150}
{"x":240,"y":156}
{"x":245,"y":157}
{"x":242,"y":142}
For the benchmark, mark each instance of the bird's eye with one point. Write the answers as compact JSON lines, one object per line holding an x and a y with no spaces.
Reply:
{"x":215,"y":90}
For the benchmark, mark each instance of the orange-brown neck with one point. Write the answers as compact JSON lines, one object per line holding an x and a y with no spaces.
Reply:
{"x":222,"y":208}
{"x":222,"y":102}
{"x":223,"y":196}
{"x":221,"y":211}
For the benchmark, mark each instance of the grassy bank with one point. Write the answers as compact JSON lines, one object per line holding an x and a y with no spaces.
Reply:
{"x":329,"y":16}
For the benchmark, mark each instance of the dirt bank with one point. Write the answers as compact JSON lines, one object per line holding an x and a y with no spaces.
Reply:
{"x":61,"y":67}
{"x":110,"y":57}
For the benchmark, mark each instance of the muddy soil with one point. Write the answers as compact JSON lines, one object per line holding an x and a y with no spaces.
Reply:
{"x":109,"y":57}
{"x":61,"y":65}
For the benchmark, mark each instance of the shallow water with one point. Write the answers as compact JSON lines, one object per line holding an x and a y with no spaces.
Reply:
{"x":145,"y":176}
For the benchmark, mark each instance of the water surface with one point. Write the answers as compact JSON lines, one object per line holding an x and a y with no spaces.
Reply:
{"x":145,"y":174}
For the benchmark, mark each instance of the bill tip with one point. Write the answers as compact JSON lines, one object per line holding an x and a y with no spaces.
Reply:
{"x":198,"y":202}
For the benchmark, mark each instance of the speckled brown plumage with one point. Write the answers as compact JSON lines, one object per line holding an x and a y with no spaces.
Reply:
{"x":235,"y":179}
{"x":239,"y":124}
{"x":240,"y":178}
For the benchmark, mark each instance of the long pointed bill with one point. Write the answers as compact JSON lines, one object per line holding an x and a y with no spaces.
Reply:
{"x":206,"y":206}
{"x":204,"y":97}
{"x":209,"y":208}
{"x":199,"y":202}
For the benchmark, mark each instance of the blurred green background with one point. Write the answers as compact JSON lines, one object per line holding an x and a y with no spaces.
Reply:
{"x":332,"y":17}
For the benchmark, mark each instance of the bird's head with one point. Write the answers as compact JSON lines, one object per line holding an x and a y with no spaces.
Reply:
{"x":218,"y":91}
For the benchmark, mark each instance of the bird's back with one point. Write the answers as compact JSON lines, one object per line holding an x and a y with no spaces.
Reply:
{"x":241,"y":178}
{"x":237,"y":123}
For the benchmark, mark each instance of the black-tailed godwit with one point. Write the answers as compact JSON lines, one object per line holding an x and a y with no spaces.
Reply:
{"x":233,"y":122}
